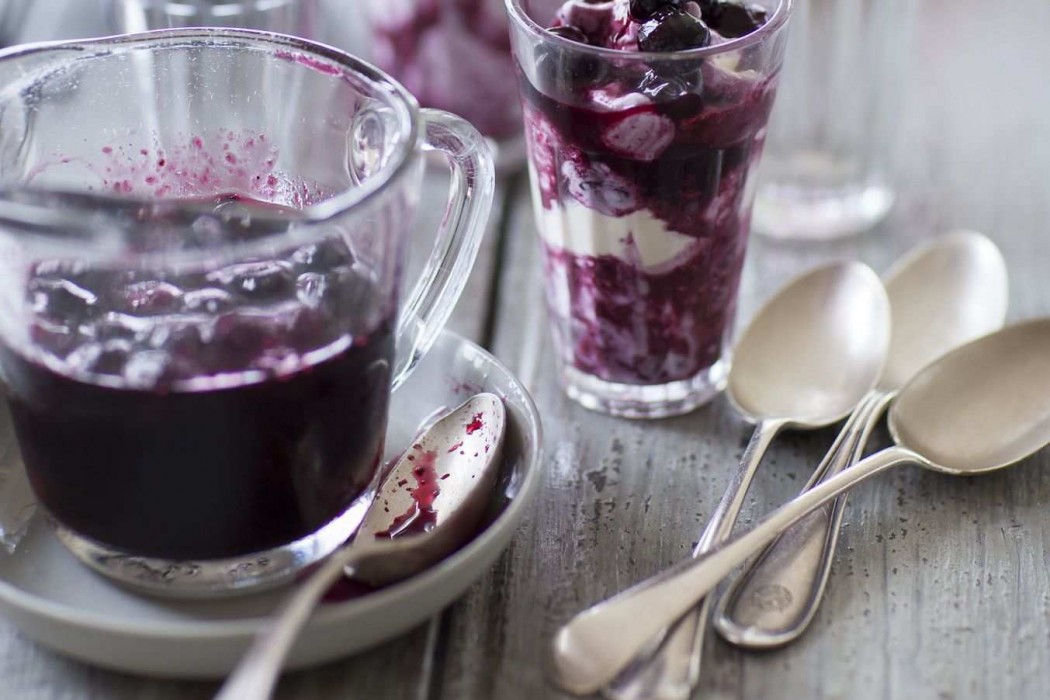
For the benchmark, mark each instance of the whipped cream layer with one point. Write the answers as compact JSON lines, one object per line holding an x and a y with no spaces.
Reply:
{"x":637,"y":237}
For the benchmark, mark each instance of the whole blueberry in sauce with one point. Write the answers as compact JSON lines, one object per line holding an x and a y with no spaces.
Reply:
{"x":671,"y":29}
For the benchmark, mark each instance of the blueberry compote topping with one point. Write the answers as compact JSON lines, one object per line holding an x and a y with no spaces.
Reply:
{"x":575,"y":68}
{"x":658,"y":25}
{"x":732,"y":19}
{"x":671,"y":29}
{"x":658,"y":154}
{"x":207,"y":414}
{"x":642,"y":10}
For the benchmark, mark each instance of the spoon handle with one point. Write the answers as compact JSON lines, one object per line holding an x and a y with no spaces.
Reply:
{"x":772,"y":602}
{"x":672,"y":669}
{"x":257,"y":672}
{"x":597,"y":644}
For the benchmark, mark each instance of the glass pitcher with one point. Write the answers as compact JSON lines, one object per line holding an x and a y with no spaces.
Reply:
{"x":202,"y":236}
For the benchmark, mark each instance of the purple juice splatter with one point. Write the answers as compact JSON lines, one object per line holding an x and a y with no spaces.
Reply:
{"x":420,"y":516}
{"x":194,"y":166}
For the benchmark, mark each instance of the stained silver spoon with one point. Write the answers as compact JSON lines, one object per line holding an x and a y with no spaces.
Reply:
{"x":810,"y":354}
{"x":980,"y":408}
{"x":942,"y":294}
{"x":428,"y":505}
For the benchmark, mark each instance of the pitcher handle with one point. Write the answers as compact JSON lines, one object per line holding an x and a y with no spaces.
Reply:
{"x":445,"y":274}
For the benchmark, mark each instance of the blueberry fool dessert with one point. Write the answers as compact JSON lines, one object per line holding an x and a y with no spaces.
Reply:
{"x":452,"y":55}
{"x":640,"y":172}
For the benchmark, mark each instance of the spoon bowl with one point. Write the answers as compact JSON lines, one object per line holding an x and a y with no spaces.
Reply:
{"x":433,"y":498}
{"x":832,"y":326}
{"x":943,"y":294}
{"x":982,"y":407}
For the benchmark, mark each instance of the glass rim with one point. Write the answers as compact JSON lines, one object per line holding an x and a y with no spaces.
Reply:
{"x":343,"y":201}
{"x":776,"y":22}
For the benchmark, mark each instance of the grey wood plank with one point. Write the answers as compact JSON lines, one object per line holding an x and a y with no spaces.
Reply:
{"x":940,"y":587}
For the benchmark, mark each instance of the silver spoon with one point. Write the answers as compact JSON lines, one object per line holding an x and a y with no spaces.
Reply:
{"x":980,"y":408}
{"x":427,"y":506}
{"x":810,"y":354}
{"x":942,"y":295}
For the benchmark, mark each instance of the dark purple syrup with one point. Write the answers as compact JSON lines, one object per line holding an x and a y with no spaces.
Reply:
{"x":206,"y":415}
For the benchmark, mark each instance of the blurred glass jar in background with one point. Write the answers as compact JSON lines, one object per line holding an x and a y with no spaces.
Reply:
{"x":13,"y":14}
{"x":453,"y":55}
{"x":295,"y":17}
{"x":825,"y":173}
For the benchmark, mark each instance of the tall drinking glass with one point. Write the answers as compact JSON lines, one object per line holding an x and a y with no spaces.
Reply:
{"x":453,"y":55}
{"x":202,"y":236}
{"x":826,"y":169}
{"x":641,"y":167}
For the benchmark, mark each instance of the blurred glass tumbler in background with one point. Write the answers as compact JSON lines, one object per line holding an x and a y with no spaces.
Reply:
{"x":825,"y":173}
{"x":295,"y":17}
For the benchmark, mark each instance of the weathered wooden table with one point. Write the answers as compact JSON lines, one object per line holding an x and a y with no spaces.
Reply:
{"x":941,"y":586}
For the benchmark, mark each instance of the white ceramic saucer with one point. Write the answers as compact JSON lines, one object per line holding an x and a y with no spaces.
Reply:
{"x":61,"y":604}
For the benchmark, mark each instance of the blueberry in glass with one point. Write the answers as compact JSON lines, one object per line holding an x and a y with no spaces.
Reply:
{"x":671,"y":29}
